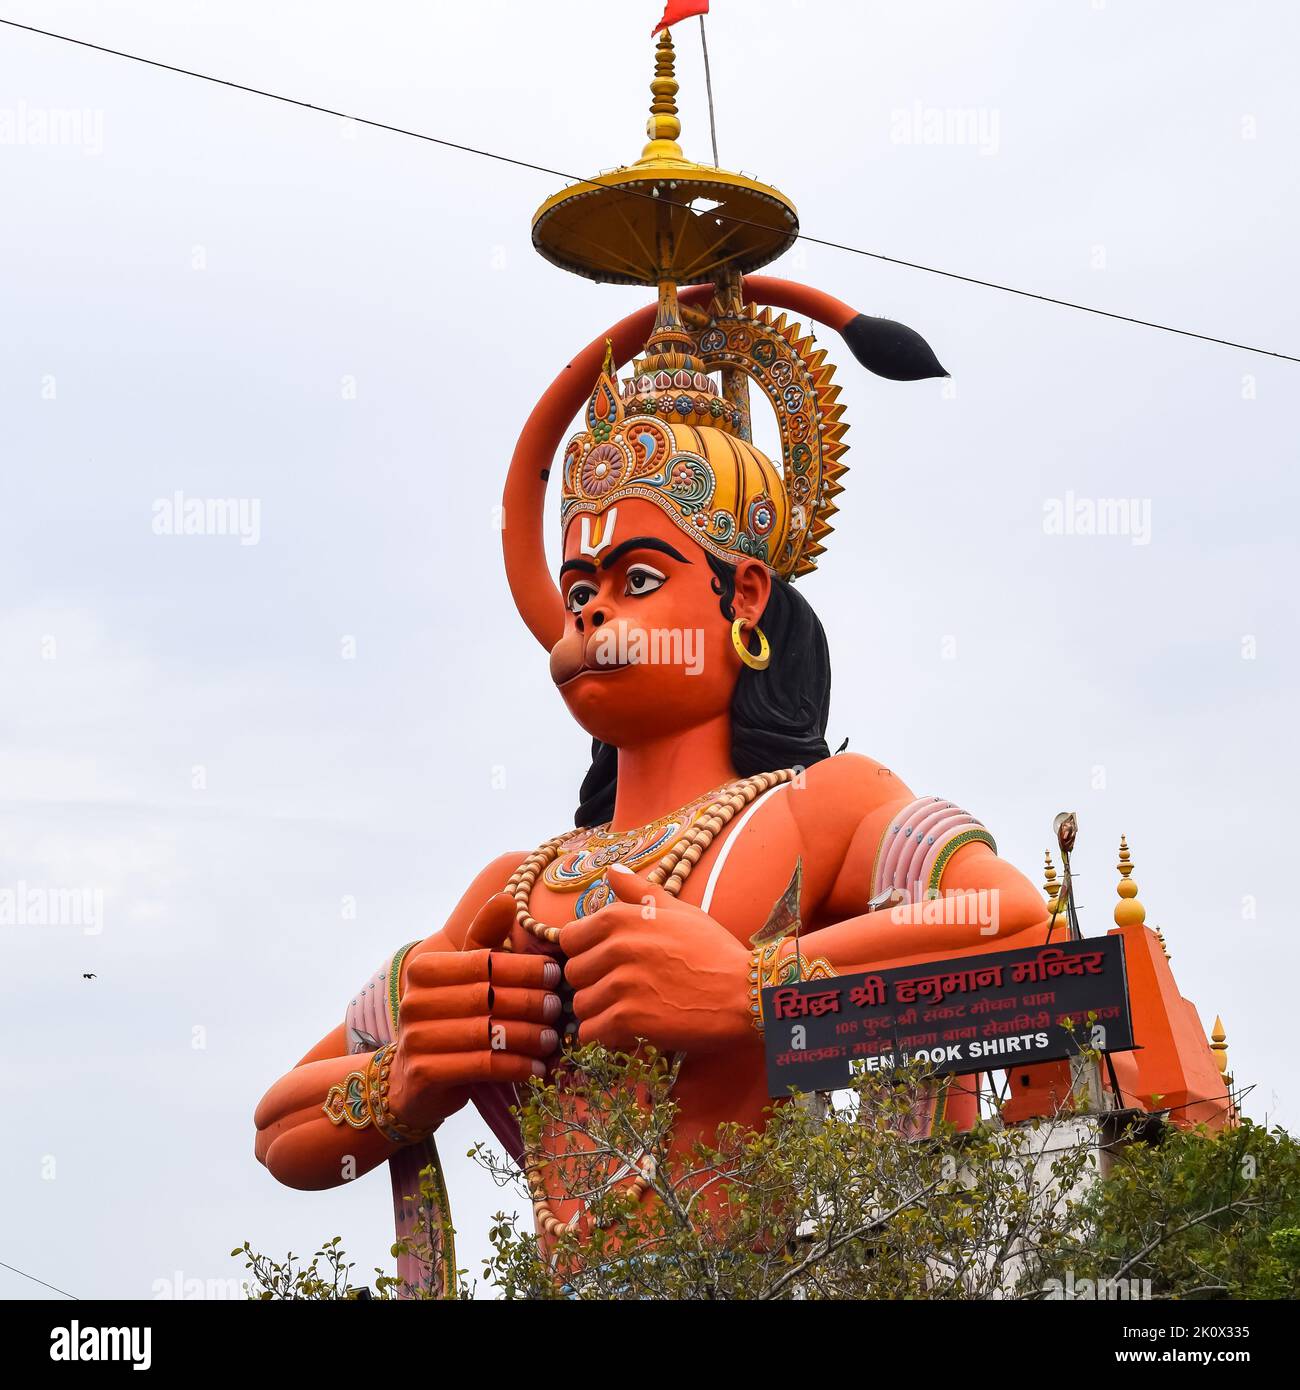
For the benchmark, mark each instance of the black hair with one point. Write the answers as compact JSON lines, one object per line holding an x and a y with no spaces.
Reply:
{"x":778,"y":715}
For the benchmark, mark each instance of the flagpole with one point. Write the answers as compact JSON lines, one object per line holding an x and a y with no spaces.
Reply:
{"x":708,"y":86}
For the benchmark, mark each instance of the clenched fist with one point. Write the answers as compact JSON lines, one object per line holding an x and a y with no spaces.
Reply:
{"x":648,"y":966}
{"x":478,"y":1014}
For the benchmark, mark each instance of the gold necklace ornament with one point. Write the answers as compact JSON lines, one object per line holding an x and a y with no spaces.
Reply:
{"x":587,"y":854}
{"x":699,"y":830}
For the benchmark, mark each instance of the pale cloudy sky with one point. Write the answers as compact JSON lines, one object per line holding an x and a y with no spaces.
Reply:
{"x":186,"y":291}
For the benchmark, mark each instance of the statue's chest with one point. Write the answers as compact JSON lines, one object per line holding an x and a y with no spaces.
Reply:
{"x":737,"y":880}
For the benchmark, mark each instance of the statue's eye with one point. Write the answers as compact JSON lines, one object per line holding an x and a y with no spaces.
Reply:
{"x":579,"y":596}
{"x":642,"y":579}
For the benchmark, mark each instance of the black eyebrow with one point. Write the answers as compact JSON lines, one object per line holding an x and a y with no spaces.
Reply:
{"x":584,"y":565}
{"x":642,"y":543}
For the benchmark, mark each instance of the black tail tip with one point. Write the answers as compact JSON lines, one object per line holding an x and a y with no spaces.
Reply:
{"x":892,"y":350}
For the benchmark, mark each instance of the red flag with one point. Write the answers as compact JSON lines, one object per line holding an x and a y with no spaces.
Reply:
{"x":676,"y":10}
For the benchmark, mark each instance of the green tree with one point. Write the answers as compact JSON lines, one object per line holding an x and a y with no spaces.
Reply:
{"x":1199,"y":1215}
{"x":828,"y":1201}
{"x":831,"y":1200}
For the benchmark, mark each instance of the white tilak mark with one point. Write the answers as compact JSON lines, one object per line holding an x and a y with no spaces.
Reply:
{"x":604,"y":530}
{"x":731,"y":839}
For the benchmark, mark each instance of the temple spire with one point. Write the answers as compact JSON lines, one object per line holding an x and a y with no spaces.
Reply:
{"x":1051,"y":886}
{"x":1128,"y":911}
{"x":663,"y":127}
{"x":1219,"y":1045}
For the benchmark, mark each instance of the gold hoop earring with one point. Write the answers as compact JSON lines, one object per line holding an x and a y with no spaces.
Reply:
{"x":755,"y":663}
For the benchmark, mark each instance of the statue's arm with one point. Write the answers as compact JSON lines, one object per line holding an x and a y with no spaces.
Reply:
{"x":296,"y":1140}
{"x":950,"y":892}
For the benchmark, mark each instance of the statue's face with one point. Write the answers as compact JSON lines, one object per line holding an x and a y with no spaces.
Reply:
{"x":646,"y":650}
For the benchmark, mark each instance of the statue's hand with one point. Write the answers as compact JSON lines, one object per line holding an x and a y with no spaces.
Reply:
{"x":648,"y":966}
{"x":481,"y":1014}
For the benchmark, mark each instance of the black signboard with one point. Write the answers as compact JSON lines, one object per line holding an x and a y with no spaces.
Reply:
{"x":972,"y":1014}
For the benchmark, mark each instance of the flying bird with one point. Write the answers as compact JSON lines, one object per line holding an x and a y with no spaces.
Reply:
{"x":86,"y":975}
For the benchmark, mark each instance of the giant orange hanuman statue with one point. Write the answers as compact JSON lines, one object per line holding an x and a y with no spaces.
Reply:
{"x":678,"y":640}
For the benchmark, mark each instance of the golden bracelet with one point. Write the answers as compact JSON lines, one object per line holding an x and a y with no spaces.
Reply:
{"x":763,"y":966}
{"x":767,"y":969}
{"x":361,"y":1100}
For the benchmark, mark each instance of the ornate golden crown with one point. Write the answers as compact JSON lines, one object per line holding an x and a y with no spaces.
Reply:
{"x":671,"y":436}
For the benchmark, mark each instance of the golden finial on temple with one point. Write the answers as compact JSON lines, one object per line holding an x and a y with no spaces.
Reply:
{"x":1128,"y":911}
{"x":1052,"y":886}
{"x":663,"y":127}
{"x":1219,"y":1045}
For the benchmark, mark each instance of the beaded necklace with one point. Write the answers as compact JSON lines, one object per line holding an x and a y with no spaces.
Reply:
{"x":673,"y":868}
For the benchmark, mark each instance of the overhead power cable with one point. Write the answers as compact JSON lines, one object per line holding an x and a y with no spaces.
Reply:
{"x":42,"y":1282}
{"x":595,"y":183}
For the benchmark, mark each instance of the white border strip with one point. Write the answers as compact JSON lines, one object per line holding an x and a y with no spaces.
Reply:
{"x":716,"y":871}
